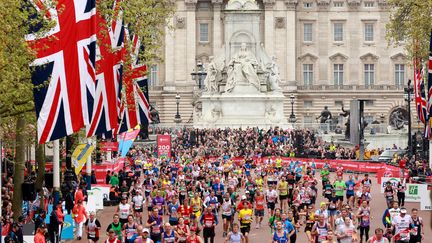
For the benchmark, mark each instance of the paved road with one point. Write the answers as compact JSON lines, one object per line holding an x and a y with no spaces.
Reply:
{"x":262,"y":235}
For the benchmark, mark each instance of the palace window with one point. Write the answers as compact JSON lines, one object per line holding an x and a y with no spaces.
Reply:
{"x":338,"y":4}
{"x":338,"y":32}
{"x":308,"y":4}
{"x":307,"y":32}
{"x":369,"y":74}
{"x":153,"y":75}
{"x":369,"y":4}
{"x":338,"y":74}
{"x":307,"y":119}
{"x":204,"y":32}
{"x":399,"y":74}
{"x":369,"y":32}
{"x":308,"y":74}
{"x":307,"y":104}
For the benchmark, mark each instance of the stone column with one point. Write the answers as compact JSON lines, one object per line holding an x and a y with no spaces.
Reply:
{"x":169,"y":56}
{"x":190,"y":39}
{"x":291,"y":40}
{"x":217,"y":27}
{"x":269,"y":26}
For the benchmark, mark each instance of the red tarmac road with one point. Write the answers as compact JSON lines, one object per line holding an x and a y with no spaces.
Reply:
{"x":261,"y":235}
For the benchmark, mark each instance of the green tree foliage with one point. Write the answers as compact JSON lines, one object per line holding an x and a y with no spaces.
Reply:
{"x":145,"y":18}
{"x":410,"y":24}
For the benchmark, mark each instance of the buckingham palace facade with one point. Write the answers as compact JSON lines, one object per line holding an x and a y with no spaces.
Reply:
{"x":328,"y":52}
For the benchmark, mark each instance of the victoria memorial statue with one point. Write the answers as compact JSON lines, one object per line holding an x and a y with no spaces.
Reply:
{"x":242,"y":83}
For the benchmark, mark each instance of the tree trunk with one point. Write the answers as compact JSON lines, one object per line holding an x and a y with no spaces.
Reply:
{"x":18,"y":176}
{"x":40,"y":178}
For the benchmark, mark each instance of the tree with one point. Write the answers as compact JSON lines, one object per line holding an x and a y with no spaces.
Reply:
{"x":147,"y":19}
{"x":410,"y":24}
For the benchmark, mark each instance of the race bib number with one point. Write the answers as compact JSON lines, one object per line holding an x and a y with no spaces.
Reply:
{"x":156,"y":229}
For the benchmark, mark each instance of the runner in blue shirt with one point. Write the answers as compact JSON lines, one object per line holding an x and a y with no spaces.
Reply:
{"x":350,"y":184}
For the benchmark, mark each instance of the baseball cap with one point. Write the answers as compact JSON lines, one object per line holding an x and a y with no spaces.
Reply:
{"x":247,"y":192}
{"x":403,"y":210}
{"x":243,"y":197}
{"x":146,"y":230}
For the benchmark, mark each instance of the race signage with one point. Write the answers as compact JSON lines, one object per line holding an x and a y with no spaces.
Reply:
{"x":412,"y":192}
{"x":394,"y":181}
{"x":164,"y":145}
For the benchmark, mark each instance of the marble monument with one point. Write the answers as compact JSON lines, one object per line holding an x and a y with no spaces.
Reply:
{"x":242,"y":83}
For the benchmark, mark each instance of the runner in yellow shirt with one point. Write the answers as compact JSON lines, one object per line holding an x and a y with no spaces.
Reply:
{"x":283,"y":193}
{"x":245,"y":218}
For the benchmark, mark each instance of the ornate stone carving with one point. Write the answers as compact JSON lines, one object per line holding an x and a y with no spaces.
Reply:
{"x":279,"y":22}
{"x":370,"y":56}
{"x":323,"y":4}
{"x":242,"y":5}
{"x":191,"y":1}
{"x":309,"y":56}
{"x":398,"y":56}
{"x":217,"y":1}
{"x":291,"y":4}
{"x":180,"y":22}
{"x":383,"y":4}
{"x":338,"y":56}
{"x":354,"y":3}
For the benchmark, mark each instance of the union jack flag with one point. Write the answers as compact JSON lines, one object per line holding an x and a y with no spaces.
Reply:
{"x":136,"y":109}
{"x":65,"y":57}
{"x":429,"y":87}
{"x":106,"y":105}
{"x":419,"y":93}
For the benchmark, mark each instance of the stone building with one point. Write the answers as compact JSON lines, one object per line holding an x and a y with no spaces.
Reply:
{"x":328,"y":51}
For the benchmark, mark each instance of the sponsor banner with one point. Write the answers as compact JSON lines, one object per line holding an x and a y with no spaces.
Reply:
{"x":426,"y":202}
{"x":80,"y":155}
{"x":412,"y":192}
{"x":393,"y":180}
{"x":68,"y":226}
{"x":164,"y":145}
{"x":108,"y":146}
{"x":126,"y":140}
{"x":95,"y":200}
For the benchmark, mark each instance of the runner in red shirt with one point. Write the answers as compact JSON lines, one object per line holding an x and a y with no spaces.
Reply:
{"x":259,"y":208}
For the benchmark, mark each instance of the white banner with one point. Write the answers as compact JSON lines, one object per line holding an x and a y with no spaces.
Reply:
{"x":394,"y":181}
{"x":413,"y":192}
{"x":426,"y":202}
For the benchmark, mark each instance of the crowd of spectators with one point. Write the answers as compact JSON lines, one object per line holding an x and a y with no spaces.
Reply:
{"x":254,"y":142}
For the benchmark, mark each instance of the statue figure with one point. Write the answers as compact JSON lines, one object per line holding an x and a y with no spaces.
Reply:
{"x":270,"y":112}
{"x":214,"y":76}
{"x":346,"y":113}
{"x":154,"y":115}
{"x":325,"y":115}
{"x":242,"y":67}
{"x":273,"y":75}
{"x":398,"y":119}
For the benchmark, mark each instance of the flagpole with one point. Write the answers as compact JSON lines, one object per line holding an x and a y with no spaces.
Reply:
{"x":56,"y":171}
{"x":89,"y":167}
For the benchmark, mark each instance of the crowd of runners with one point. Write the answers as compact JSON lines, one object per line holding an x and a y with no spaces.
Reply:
{"x":185,"y":197}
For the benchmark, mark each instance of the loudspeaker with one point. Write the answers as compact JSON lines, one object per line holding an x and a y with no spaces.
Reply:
{"x":49,"y":177}
{"x":28,"y":191}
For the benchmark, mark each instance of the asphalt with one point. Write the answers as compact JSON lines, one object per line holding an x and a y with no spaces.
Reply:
{"x":263,"y":234}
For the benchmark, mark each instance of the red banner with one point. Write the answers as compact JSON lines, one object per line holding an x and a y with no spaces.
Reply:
{"x":108,"y":146}
{"x":164,"y":145}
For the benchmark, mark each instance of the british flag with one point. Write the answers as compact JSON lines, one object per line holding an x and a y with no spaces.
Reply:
{"x":106,"y":105}
{"x":136,"y":108}
{"x":428,"y":133}
{"x":65,"y":58}
{"x":419,"y":93}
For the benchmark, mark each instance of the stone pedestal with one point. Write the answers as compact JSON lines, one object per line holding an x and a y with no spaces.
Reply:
{"x":244,"y":107}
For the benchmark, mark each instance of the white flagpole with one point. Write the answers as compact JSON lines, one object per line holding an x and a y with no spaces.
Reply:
{"x":56,"y":170}
{"x":89,"y":167}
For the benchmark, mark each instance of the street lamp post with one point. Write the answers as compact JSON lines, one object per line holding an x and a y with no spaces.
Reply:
{"x":199,"y":75}
{"x":407,"y":95}
{"x":177,"y":117}
{"x":292,"y":117}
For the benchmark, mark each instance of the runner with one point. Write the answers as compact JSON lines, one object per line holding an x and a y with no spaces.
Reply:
{"x":417,"y":233}
{"x":137,"y":202}
{"x":124,"y":210}
{"x":259,"y":209}
{"x":116,"y":227}
{"x":282,"y":187}
{"x":235,"y":236}
{"x":227,"y":214}
{"x":402,"y":225}
{"x":364,"y":216}
{"x":169,"y":235}
{"x":93,"y":227}
{"x":209,"y":221}
{"x":280,"y":235}
{"x":378,"y":237}
{"x":245,"y":218}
